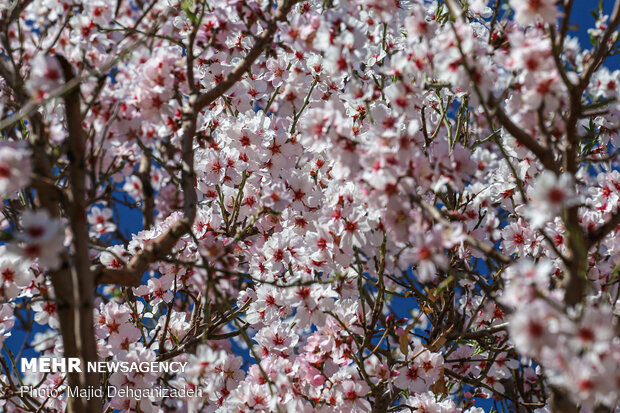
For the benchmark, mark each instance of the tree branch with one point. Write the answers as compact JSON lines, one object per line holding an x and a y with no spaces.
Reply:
{"x":544,"y":155}
{"x":147,"y":191}
{"x":601,"y":232}
{"x":83,"y":284}
{"x":489,"y":250}
{"x":262,"y":42}
{"x":568,"y":7}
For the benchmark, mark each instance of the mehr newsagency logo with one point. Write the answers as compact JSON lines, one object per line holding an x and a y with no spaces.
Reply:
{"x":71,"y":365}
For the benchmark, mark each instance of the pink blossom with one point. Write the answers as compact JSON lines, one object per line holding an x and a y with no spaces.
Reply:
{"x":14,"y":167}
{"x":529,"y":11}
{"x":6,"y":321}
{"x":40,"y":239}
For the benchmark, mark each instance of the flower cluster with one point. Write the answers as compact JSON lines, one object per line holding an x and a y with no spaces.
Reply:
{"x":320,"y":206}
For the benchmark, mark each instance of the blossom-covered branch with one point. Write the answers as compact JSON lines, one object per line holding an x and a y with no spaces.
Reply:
{"x":315,"y":206}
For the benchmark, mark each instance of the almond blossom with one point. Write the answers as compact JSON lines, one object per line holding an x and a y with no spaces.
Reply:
{"x":529,"y":11}
{"x":320,"y":206}
{"x":14,"y":167}
{"x":41,"y":239}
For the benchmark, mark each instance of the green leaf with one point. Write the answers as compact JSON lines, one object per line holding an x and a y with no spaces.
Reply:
{"x":187,"y":6}
{"x":174,"y":338}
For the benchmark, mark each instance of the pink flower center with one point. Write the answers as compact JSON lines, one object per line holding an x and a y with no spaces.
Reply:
{"x":535,"y":4}
{"x":556,"y":195}
{"x":518,"y":239}
{"x":8,"y":275}
{"x":5,"y":171}
{"x":36,"y":231}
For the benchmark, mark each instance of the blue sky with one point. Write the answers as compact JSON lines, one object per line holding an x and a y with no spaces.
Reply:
{"x":581,"y":18}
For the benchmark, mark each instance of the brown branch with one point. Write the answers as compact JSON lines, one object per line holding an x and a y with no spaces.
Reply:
{"x":578,"y":242}
{"x":469,"y":335}
{"x":489,"y":250}
{"x":50,"y":199}
{"x":494,"y":20}
{"x":544,"y":155}
{"x":131,"y":275}
{"x":147,"y":191}
{"x":14,"y":11}
{"x":568,"y":7}
{"x":205,"y":335}
{"x":262,"y":42}
{"x":561,"y":402}
{"x":601,"y":232}
{"x":83,"y":283}
{"x":14,"y":82}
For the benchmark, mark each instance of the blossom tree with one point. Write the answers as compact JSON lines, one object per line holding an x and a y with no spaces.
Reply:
{"x":346,"y":206}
